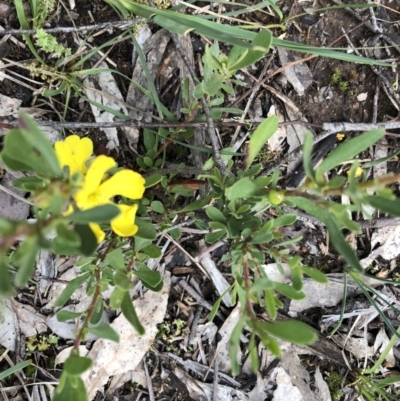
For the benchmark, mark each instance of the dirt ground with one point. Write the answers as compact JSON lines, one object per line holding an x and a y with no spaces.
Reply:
{"x":338,"y":92}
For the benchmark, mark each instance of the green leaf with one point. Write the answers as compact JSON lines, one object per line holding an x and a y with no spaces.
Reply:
{"x":141,"y":243}
{"x":307,"y":156}
{"x":29,"y":184}
{"x":70,"y":388}
{"x":116,"y":298}
{"x":215,"y":236}
{"x":152,"y":251}
{"x":149,"y":277}
{"x":270,"y":303}
{"x":152,"y":180}
{"x":88,"y":239}
{"x":115,"y":259}
{"x":244,"y":188}
{"x":210,"y":60}
{"x":340,"y":244}
{"x":348,"y":149}
{"x":215,"y":215}
{"x":386,"y":205}
{"x":289,"y":291}
{"x":260,"y":137}
{"x":146,"y":230}
{"x":77,"y":365}
{"x":158,"y":207}
{"x":198,"y":204}
{"x":262,"y":237}
{"x":269,"y":342}
{"x":39,"y":155}
{"x":65,"y":315}
{"x":284,"y":220}
{"x":261,"y":44}
{"x":129,"y":312}
{"x":292,"y":330}
{"x":149,"y":140}
{"x":98,"y":214}
{"x":234,"y":343}
{"x":16,"y":368}
{"x":67,"y":237}
{"x":105,"y":331}
{"x":5,"y":282}
{"x":253,"y":349}
{"x":98,"y":312}
{"x":70,"y":289}
{"x":26,"y":260}
{"x":315,"y":274}
{"x":122,"y":281}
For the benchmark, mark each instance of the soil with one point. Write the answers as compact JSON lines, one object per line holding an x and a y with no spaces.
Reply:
{"x":330,"y":105}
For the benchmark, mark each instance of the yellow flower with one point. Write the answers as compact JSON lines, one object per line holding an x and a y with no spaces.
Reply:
{"x":97,"y":190}
{"x":123,"y":225}
{"x":98,"y":232}
{"x":74,"y":152}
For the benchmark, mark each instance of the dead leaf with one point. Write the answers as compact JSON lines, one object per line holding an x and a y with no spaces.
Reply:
{"x":110,"y":358}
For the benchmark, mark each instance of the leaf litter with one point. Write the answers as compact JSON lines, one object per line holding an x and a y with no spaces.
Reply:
{"x":290,"y":380}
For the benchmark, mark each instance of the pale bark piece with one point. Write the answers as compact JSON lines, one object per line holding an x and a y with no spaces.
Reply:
{"x":223,"y":345}
{"x":389,"y":249}
{"x":10,"y":206}
{"x":295,"y":375}
{"x":325,"y":295}
{"x":17,"y":319}
{"x":381,"y":342}
{"x":285,"y":390}
{"x":153,"y":48}
{"x":219,"y":281}
{"x":66,"y":352}
{"x":9,"y":106}
{"x":323,"y":392}
{"x":275,"y":143}
{"x":109,"y":358}
{"x":137,"y":376}
{"x":109,"y":96}
{"x":354,"y":345}
{"x":299,"y":75}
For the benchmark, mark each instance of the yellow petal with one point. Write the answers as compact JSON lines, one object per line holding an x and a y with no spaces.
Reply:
{"x":98,"y":232}
{"x":74,"y":152}
{"x":125,"y":183}
{"x":95,"y":174}
{"x":124,"y":224}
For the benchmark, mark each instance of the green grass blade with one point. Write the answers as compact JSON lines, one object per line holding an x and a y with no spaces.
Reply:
{"x":148,"y":76}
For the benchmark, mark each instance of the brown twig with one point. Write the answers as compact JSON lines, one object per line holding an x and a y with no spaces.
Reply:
{"x":96,"y":27}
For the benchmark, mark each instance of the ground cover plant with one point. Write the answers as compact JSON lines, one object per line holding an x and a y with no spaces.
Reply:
{"x":114,"y":218}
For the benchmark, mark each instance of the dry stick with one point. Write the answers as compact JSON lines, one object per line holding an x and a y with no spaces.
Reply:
{"x":373,"y":19}
{"x":376,"y":97}
{"x":207,"y":112}
{"x":216,"y":379}
{"x":364,"y":224}
{"x":357,"y":16}
{"x":195,"y":323}
{"x":194,"y":294}
{"x":149,"y":382}
{"x":96,"y":27}
{"x":129,"y":123}
{"x":333,"y":128}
